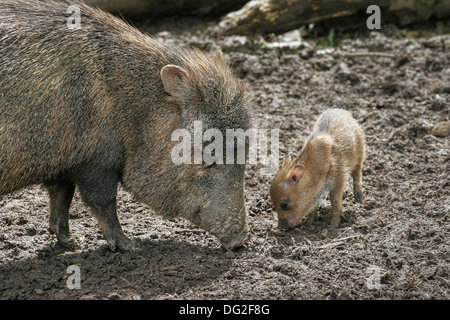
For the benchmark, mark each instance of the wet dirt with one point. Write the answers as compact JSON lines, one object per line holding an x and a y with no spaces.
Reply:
{"x":394,"y":245}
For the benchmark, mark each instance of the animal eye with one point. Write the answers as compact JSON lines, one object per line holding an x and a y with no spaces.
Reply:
{"x":285,"y":205}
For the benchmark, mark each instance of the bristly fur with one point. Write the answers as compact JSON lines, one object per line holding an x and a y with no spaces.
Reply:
{"x":78,"y":103}
{"x":336,"y":147}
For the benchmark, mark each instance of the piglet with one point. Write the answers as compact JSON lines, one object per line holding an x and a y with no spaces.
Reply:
{"x":335,"y":149}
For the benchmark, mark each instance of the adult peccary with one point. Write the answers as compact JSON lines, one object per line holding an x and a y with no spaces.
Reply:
{"x":95,"y":105}
{"x":335,"y":149}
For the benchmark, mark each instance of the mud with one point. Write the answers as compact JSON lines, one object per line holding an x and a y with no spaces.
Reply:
{"x":395,"y":245}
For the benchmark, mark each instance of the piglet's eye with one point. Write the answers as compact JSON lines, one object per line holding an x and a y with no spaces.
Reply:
{"x":285,"y":205}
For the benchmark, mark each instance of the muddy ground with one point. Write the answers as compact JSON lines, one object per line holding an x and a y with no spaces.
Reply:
{"x":399,"y":235}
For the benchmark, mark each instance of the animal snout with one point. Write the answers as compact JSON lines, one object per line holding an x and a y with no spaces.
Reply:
{"x":284,"y":224}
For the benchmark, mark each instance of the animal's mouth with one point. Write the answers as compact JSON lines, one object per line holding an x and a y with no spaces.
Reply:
{"x":227,"y":244}
{"x":285,"y":224}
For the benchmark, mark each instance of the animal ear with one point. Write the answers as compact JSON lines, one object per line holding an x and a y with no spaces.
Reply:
{"x":287,"y":160}
{"x":173,"y":79}
{"x":217,"y":54}
{"x":297,"y":172}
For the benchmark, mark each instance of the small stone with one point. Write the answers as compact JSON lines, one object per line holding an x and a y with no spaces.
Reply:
{"x":441,"y":129}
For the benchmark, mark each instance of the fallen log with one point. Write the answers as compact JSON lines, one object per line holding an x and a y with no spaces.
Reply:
{"x":277,"y":16}
{"x":167,"y":8}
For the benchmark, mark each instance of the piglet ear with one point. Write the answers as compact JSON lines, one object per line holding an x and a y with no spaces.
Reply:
{"x":173,"y":78}
{"x":297,"y":172}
